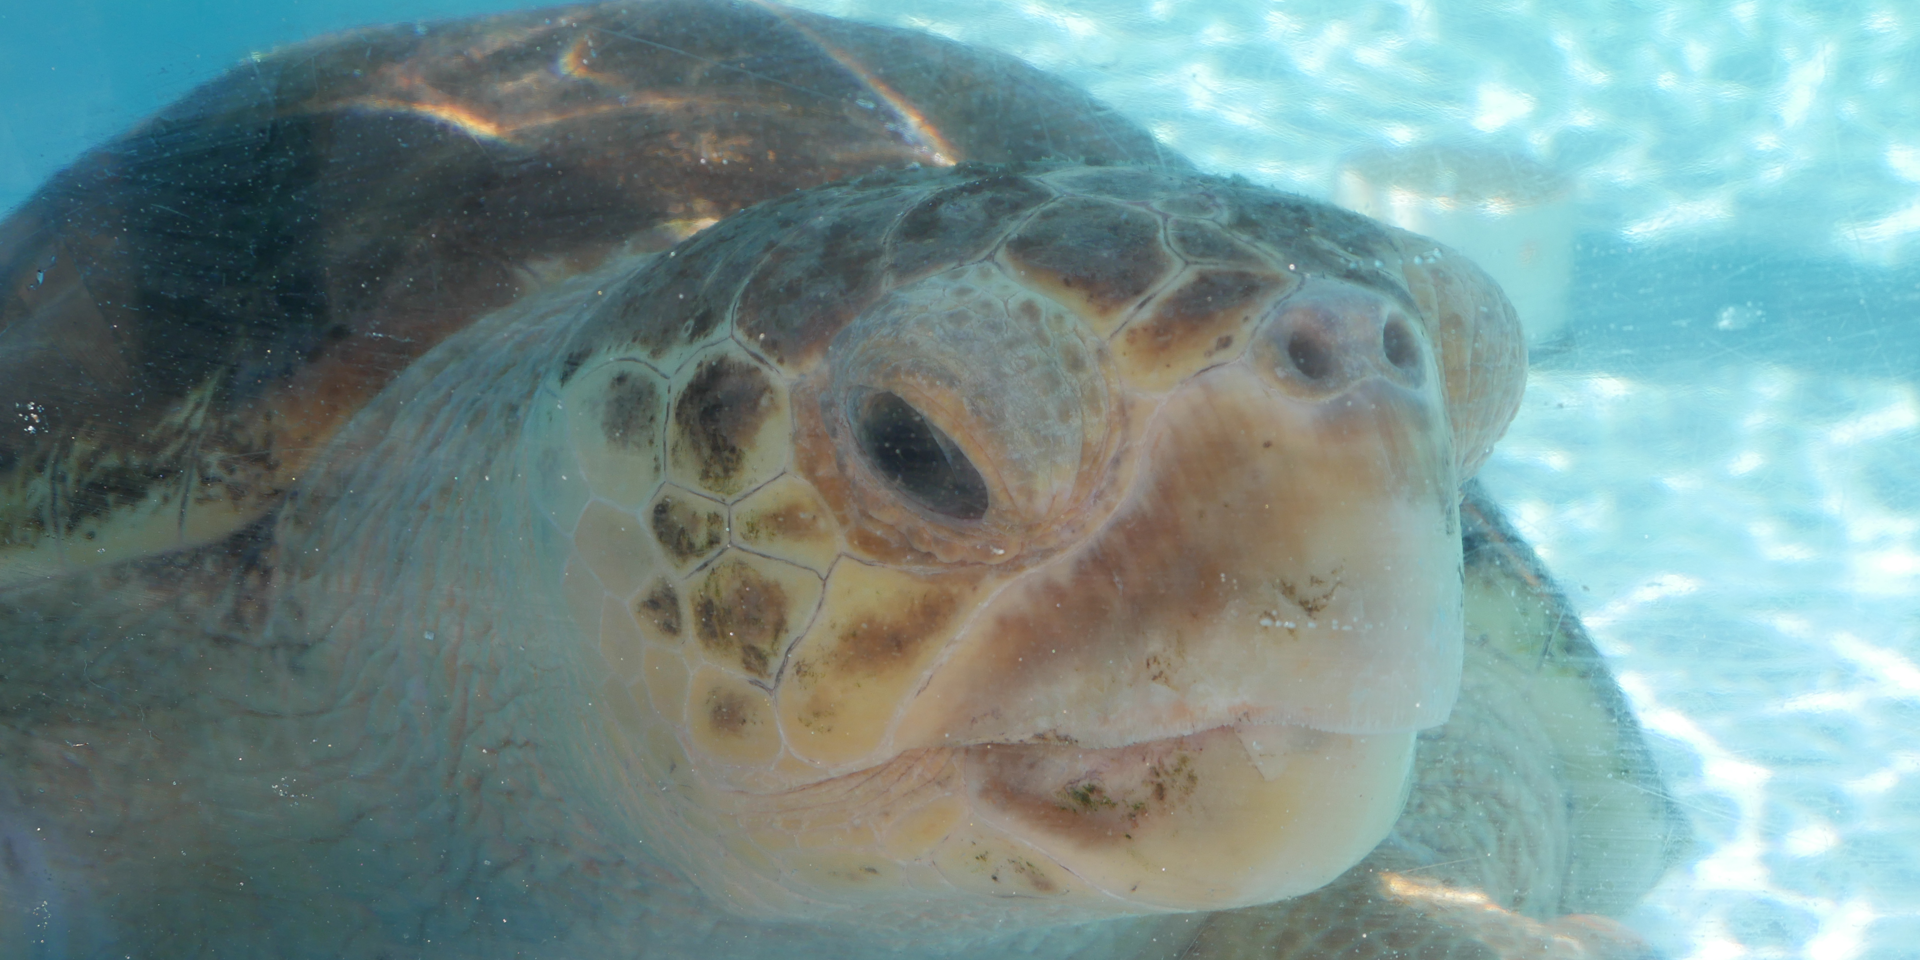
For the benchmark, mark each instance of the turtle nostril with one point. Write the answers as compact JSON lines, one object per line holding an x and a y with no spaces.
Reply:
{"x":1309,"y":355}
{"x":1398,"y":343}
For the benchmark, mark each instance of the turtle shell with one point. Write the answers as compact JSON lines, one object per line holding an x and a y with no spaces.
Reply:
{"x":190,"y":311}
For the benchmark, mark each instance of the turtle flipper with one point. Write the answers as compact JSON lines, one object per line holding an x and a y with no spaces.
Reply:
{"x":1527,"y":650}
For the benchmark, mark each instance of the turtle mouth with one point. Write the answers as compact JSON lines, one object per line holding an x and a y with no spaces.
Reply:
{"x":1105,"y":793}
{"x":1110,"y":790}
{"x":1233,"y":815}
{"x":1092,"y":794}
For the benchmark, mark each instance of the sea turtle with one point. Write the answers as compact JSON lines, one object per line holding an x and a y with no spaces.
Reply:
{"x":683,"y":479}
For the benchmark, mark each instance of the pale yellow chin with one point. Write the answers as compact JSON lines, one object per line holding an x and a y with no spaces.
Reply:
{"x":1229,"y":817}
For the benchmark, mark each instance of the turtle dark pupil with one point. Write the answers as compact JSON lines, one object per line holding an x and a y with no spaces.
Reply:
{"x":920,"y":460}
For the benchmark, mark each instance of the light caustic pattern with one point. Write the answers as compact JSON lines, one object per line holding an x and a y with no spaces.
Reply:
{"x":1745,"y":543}
{"x":1676,"y":119}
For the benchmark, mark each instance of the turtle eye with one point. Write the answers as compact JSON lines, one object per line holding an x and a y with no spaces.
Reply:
{"x":919,"y":460}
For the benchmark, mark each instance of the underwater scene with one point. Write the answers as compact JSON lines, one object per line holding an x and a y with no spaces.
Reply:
{"x":1706,"y":216}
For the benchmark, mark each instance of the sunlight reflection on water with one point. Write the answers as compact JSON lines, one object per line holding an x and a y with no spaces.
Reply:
{"x":1732,"y":545}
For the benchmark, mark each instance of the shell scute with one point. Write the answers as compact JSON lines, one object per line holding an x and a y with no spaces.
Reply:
{"x":729,"y":424}
{"x":1204,"y":317}
{"x":616,"y":411}
{"x":961,"y":222}
{"x":876,"y":632}
{"x":1319,"y":238}
{"x":1094,"y":253}
{"x":616,"y":547}
{"x":621,"y":645}
{"x":823,"y":270}
{"x":666,"y":309}
{"x":1199,"y":204}
{"x":658,"y":611}
{"x":689,"y":527}
{"x":788,"y":519}
{"x":747,"y":609}
{"x":1114,"y":183}
{"x":667,"y":680}
{"x":731,"y":720}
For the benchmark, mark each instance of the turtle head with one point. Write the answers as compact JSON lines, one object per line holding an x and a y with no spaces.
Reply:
{"x":1053,"y":544}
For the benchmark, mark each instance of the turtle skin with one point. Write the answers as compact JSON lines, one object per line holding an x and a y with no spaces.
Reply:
{"x":386,"y":797}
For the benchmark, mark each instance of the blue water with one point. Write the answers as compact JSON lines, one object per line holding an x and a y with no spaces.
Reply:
{"x":1719,"y":453}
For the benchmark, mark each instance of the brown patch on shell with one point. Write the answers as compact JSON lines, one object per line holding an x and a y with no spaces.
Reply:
{"x":1140,"y":783}
{"x":718,"y":416}
{"x":659,"y":608}
{"x":614,"y":411}
{"x":825,"y":268}
{"x":731,"y":719}
{"x":741,"y":616}
{"x":885,"y":644}
{"x":728,"y":712}
{"x":878,"y":629}
{"x":1199,"y":240}
{"x":961,"y":222}
{"x":688,"y":527}
{"x":1097,"y":253}
{"x":1203,"y":320}
{"x":631,"y":412}
{"x":787,"y":519}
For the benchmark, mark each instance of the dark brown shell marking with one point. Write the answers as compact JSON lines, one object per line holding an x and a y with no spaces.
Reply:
{"x":192,"y":310}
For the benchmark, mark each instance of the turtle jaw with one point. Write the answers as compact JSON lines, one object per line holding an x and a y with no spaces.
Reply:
{"x":1229,"y":817}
